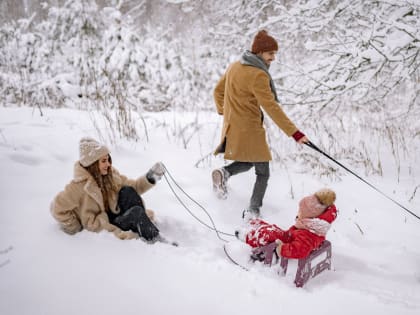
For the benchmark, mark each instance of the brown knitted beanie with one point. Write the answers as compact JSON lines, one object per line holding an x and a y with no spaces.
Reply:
{"x":263,"y":42}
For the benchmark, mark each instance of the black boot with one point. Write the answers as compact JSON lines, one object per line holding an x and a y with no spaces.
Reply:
{"x":146,"y":228}
{"x":129,"y":219}
{"x":133,"y":215}
{"x":136,"y":220}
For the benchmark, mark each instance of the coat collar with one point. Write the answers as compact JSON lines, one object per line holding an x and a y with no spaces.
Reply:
{"x":250,"y":59}
{"x":90,"y":187}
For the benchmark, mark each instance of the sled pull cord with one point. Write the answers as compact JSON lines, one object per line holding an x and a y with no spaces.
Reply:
{"x":167,"y":175}
{"x":313,"y":146}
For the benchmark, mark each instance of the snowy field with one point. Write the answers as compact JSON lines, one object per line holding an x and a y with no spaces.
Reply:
{"x":376,"y":251}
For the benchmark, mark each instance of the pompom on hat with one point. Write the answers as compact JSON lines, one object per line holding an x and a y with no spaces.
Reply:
{"x":314,"y":205}
{"x":326,"y":196}
{"x":91,"y":151}
{"x":263,"y":42}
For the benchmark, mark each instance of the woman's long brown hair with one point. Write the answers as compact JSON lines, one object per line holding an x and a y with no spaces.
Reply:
{"x":105,"y":182}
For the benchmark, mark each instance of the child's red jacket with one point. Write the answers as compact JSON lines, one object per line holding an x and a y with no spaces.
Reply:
{"x":297,"y":243}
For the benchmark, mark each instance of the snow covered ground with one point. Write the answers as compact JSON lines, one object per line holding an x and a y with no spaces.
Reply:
{"x":376,"y":252}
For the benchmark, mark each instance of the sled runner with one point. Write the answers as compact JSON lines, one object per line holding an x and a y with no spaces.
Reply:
{"x":307,"y":267}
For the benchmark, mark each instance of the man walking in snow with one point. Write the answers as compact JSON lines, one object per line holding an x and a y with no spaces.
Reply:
{"x":242,"y":91}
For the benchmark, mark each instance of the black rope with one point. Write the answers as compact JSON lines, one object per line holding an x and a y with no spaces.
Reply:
{"x":233,"y":260}
{"x":213,"y":227}
{"x":313,"y":146}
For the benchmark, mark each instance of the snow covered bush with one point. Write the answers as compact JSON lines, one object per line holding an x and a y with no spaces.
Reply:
{"x":347,"y":71}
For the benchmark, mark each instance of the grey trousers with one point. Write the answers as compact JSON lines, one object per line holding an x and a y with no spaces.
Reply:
{"x":262,"y":170}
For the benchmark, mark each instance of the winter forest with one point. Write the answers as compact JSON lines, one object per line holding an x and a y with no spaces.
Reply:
{"x":349,"y":69}
{"x":139,"y":75}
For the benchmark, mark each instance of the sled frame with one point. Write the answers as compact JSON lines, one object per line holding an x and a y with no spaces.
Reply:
{"x":306,"y":269}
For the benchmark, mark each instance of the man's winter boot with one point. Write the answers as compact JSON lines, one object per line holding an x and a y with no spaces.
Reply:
{"x":219,"y":177}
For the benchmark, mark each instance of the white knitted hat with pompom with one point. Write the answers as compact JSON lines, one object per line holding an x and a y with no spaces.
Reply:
{"x":90,"y":151}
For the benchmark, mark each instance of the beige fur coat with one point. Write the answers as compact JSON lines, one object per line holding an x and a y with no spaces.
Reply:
{"x":80,"y":205}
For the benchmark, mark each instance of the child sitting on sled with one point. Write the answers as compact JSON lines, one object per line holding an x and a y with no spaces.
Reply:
{"x":315,"y":215}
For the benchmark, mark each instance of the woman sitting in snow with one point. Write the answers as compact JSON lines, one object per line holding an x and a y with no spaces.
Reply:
{"x":315,"y":215}
{"x":99,"y":198}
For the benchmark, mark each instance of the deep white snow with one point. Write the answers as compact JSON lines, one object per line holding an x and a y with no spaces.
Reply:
{"x":376,"y":252}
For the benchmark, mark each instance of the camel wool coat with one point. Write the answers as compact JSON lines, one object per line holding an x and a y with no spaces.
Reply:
{"x":80,"y":205}
{"x":238,"y":96}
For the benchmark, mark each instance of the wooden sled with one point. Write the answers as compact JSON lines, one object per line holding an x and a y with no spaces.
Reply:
{"x":307,"y":267}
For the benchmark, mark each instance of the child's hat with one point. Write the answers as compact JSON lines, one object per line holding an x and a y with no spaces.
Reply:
{"x":313,"y":205}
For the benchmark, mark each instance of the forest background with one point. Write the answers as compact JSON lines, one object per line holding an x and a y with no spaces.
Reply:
{"x":347,"y":72}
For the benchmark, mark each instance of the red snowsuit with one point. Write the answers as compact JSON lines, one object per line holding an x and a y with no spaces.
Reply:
{"x":297,"y":243}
